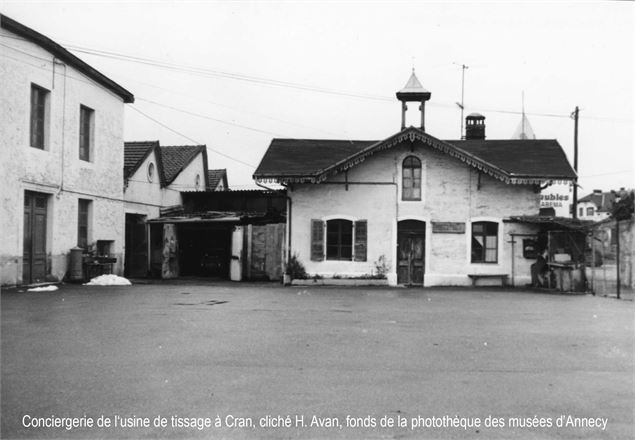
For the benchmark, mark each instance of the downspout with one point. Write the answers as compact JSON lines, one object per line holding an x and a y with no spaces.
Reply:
{"x":288,"y":225}
{"x":61,"y":186}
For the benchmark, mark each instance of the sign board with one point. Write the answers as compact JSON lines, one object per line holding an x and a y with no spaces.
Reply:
{"x":559,"y":197}
{"x":448,"y":228}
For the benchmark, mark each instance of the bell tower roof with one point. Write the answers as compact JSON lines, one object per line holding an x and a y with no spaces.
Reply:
{"x":413,"y":90}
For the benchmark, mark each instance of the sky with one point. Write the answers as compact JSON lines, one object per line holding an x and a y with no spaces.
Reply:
{"x":234,"y":75}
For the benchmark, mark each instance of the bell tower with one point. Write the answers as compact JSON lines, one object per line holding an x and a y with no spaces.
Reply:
{"x":413,"y":92}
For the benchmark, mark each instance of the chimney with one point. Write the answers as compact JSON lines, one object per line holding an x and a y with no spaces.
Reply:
{"x":597,"y":191}
{"x":475,"y":126}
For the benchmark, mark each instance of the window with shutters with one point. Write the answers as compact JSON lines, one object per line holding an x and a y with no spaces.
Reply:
{"x":39,"y":116}
{"x":411,"y":179}
{"x":83,"y":217}
{"x":86,"y":117}
{"x":484,"y":242}
{"x":339,"y":239}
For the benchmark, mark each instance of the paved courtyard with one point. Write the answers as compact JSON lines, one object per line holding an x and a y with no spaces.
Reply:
{"x":366,"y":362}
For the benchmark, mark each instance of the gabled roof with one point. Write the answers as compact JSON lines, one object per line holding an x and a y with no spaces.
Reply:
{"x":515,"y":162}
{"x":171,"y":160}
{"x":64,"y":55}
{"x":214,"y":177}
{"x":304,"y":158}
{"x":176,"y":158}
{"x":602,"y":200}
{"x":134,"y":153}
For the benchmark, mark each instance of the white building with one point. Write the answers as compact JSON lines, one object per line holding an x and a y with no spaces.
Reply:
{"x":154,"y":177}
{"x":61,"y":151}
{"x":596,"y":206}
{"x":434,"y":212}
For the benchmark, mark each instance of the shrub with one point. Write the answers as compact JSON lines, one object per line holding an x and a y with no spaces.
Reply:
{"x":381,"y":267}
{"x":295,"y":269}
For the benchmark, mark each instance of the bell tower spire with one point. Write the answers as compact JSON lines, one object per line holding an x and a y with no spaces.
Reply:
{"x":413,"y":92}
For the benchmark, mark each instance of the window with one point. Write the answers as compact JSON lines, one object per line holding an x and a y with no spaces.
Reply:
{"x":85,"y":132}
{"x":484,"y":242}
{"x":589,"y":211}
{"x":581,"y":212}
{"x":411,"y":181}
{"x":339,"y":239}
{"x":197,"y":181}
{"x":150,"y":172}
{"x":82,"y":223}
{"x":39,"y":98}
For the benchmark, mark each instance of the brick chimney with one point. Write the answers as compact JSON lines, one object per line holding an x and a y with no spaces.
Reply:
{"x":475,"y":126}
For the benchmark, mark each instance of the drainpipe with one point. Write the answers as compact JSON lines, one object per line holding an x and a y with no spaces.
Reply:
{"x":55,"y":61}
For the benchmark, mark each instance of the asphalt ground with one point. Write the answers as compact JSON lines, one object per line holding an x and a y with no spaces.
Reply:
{"x":436,"y":363}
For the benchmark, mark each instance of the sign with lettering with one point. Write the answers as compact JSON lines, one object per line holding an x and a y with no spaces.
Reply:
{"x":448,"y":228}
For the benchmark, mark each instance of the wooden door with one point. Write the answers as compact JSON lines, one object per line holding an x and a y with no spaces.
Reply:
{"x":410,"y":252}
{"x":136,"y":257}
{"x":34,"y":251}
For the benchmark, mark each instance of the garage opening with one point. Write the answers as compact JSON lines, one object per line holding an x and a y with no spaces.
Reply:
{"x":204,"y":250}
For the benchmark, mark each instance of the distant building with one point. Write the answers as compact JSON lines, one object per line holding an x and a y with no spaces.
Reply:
{"x":61,"y":135}
{"x":217,"y":180}
{"x":596,"y":206}
{"x":154,"y":177}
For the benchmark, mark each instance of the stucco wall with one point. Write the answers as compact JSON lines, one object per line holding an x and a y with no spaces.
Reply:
{"x":185,"y":181}
{"x":57,"y":170}
{"x":452,"y":192}
{"x":142,"y":196}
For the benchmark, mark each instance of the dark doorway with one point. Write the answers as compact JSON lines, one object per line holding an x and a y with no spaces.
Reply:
{"x":204,"y":250}
{"x":411,"y":245}
{"x":136,"y":257}
{"x":34,"y":254}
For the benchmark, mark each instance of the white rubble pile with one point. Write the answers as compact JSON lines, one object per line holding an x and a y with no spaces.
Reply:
{"x":108,"y":280}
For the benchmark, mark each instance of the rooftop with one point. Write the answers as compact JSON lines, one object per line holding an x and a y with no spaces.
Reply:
{"x":64,"y":55}
{"x":513,"y":161}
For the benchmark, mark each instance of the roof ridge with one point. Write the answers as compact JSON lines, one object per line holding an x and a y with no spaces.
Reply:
{"x":63,"y":54}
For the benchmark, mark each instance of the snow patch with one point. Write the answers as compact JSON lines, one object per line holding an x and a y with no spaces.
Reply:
{"x":108,"y":280}
{"x":43,"y":289}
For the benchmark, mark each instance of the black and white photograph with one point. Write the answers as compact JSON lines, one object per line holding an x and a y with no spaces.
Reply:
{"x":317,"y":219}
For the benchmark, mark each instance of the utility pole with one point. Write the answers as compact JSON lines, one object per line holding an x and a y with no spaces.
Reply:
{"x":461,"y":104}
{"x":574,"y":115}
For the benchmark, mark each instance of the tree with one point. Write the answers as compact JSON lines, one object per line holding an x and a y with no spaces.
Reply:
{"x":623,"y":206}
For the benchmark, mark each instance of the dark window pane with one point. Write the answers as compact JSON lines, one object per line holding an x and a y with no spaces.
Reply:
{"x":38,"y":115}
{"x":82,"y":223}
{"x":85,"y":128}
{"x":339,"y":239}
{"x":484,"y":242}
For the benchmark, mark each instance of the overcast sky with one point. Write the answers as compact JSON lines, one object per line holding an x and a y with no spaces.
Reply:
{"x":233,"y":75}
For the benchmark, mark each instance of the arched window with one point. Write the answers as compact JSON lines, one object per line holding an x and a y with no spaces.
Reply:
{"x":411,"y":180}
{"x":484,"y":242}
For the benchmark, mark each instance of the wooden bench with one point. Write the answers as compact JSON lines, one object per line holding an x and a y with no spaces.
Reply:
{"x":475,"y":277}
